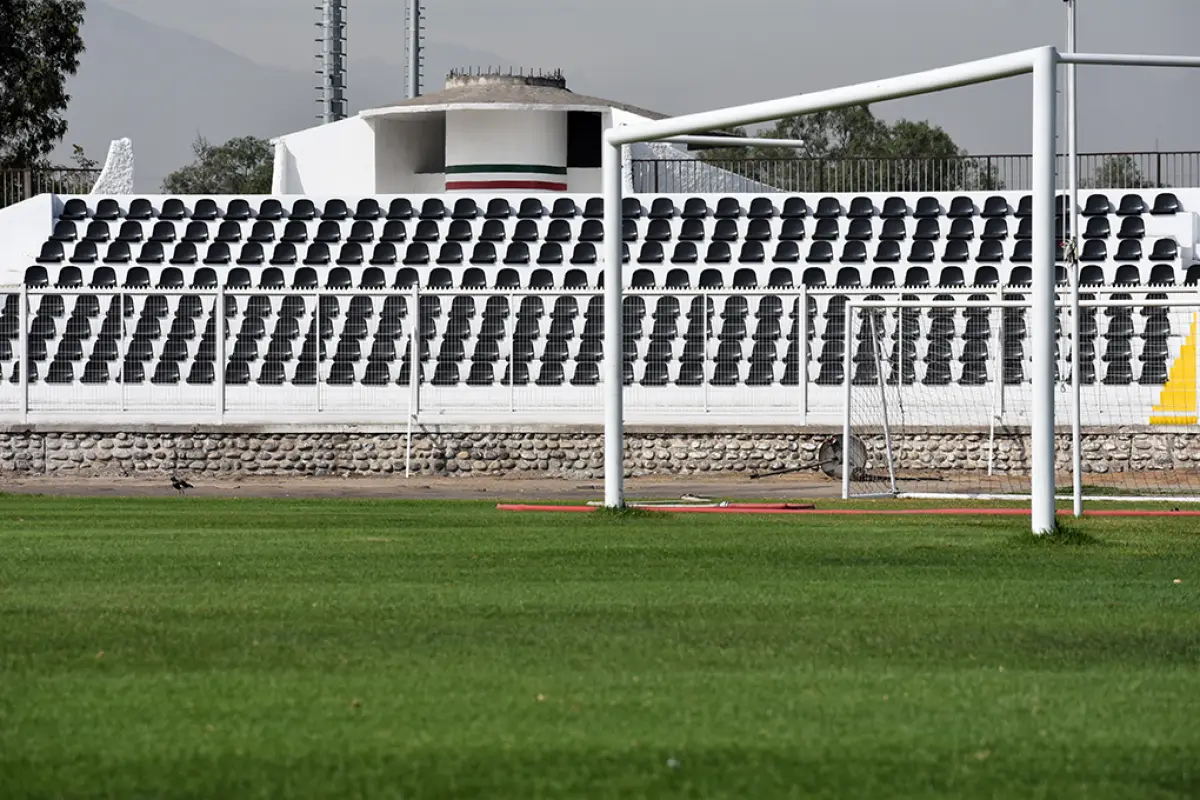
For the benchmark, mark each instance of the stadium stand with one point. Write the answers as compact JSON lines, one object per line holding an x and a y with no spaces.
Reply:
{"x":687,"y":258}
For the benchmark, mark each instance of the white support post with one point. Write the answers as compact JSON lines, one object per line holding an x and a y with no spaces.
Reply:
{"x":614,"y":375}
{"x":317,"y":349}
{"x":510,"y":326}
{"x":1074,"y":216}
{"x":408,"y":436}
{"x":707,"y":366}
{"x":23,"y":343}
{"x":802,"y":349}
{"x":121,"y":350}
{"x":996,"y":324}
{"x":1045,"y":65}
{"x":847,"y":398}
{"x":1195,"y":320}
{"x":414,"y":376}
{"x":414,"y":357}
{"x":876,"y":346}
{"x":219,"y":355}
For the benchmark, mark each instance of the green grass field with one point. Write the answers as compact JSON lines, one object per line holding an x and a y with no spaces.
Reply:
{"x":284,"y":649}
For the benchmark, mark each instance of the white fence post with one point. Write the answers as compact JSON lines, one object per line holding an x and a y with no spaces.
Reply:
{"x":510,"y":325}
{"x":317,"y":350}
{"x":415,"y":370}
{"x":847,"y":364}
{"x":707,"y":359}
{"x":23,"y":343}
{"x":1196,"y":352}
{"x":802,"y":349}
{"x":122,"y":350}
{"x":219,"y":356}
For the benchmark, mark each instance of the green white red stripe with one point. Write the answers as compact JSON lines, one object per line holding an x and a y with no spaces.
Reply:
{"x":493,"y":177}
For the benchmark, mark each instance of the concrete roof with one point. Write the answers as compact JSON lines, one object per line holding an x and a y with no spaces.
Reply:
{"x":503,"y":93}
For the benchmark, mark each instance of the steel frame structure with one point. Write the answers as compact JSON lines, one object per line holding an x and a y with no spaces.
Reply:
{"x":1041,"y":62}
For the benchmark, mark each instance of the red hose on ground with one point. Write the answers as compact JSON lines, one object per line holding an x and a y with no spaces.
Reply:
{"x":786,"y":508}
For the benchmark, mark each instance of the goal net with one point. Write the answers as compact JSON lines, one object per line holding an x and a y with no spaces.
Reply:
{"x":939,"y":397}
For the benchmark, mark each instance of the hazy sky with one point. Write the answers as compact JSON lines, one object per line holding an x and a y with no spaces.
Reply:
{"x":675,"y":56}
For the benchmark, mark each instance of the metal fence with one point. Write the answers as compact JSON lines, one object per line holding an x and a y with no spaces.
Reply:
{"x":704,"y":358}
{"x":21,"y":184}
{"x":1141,"y":170}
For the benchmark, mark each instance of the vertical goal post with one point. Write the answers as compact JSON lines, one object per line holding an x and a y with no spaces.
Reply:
{"x":1041,"y":62}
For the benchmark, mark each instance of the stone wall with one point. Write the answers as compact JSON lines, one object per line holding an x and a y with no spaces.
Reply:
{"x":548,"y":452}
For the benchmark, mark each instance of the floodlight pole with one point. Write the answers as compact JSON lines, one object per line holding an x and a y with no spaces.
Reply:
{"x":1073,"y":185}
{"x":1045,"y":149}
{"x":614,"y":372}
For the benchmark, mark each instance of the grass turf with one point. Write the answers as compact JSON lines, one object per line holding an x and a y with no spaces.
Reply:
{"x":222,"y":648}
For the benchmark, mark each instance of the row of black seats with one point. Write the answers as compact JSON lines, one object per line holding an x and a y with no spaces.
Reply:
{"x":320,"y":254}
{"x":434,"y":208}
{"x":974,"y":371}
{"x":441,"y":278}
{"x":561,"y":232}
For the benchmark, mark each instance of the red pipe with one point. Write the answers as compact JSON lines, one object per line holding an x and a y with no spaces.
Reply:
{"x":783,"y":508}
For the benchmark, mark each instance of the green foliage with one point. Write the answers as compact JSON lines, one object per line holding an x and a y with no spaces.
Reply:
{"x":850,"y":149}
{"x":1117,"y":172}
{"x":40,"y":44}
{"x":213,"y":648}
{"x":81,"y":158}
{"x":244,"y":165}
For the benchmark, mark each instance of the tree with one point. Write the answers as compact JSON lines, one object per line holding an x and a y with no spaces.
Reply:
{"x":80,"y":157}
{"x":40,"y":44}
{"x":1117,"y":172}
{"x":244,"y":165}
{"x":850,"y":149}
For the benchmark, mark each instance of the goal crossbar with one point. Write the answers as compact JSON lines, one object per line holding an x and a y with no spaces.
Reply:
{"x":1041,"y":62}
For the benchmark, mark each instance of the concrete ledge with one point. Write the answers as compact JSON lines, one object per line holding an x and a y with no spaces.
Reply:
{"x":554,"y":428}
{"x":557,"y":451}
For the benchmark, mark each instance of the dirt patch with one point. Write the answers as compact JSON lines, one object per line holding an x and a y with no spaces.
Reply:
{"x":424,"y":488}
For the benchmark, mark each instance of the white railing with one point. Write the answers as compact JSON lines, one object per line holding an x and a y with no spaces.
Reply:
{"x":690,"y":362}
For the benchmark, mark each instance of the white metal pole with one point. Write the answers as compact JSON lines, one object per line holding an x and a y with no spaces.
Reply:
{"x":409,"y":434}
{"x":734,"y":141}
{"x":121,"y":352}
{"x":1045,"y":65}
{"x":414,"y":356}
{"x":966,"y":74}
{"x":877,"y":343}
{"x":510,"y":329}
{"x":996,"y":324}
{"x":23,"y":314}
{"x":1194,"y":330}
{"x":802,"y":349}
{"x":317,"y":351}
{"x":1074,"y":216}
{"x":847,"y":398}
{"x":706,"y":366}
{"x":614,"y":375}
{"x":219,"y":349}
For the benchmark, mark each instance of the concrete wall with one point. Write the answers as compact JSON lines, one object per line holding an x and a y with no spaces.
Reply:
{"x":1142,"y":456}
{"x":23,"y":228}
{"x":332,"y":160}
{"x":531,"y":144}
{"x":410,"y":155}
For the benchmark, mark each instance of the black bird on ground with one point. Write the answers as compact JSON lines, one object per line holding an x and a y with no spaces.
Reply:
{"x":180,"y":485}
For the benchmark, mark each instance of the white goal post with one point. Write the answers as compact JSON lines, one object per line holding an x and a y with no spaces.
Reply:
{"x":1041,"y":62}
{"x":936,"y":390}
